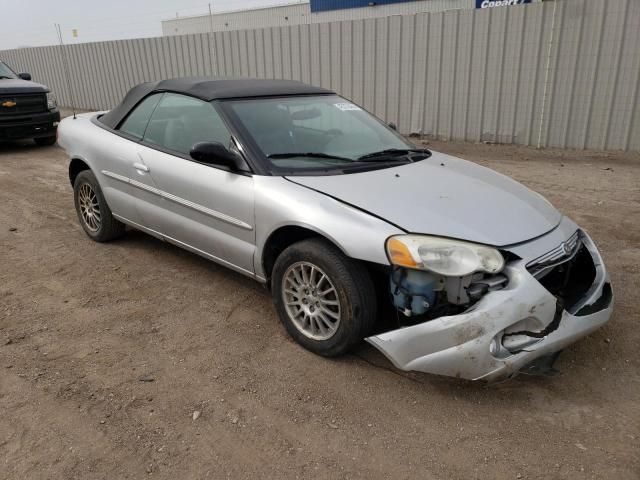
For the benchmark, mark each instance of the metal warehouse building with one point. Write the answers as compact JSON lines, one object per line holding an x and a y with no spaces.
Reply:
{"x":318,"y":11}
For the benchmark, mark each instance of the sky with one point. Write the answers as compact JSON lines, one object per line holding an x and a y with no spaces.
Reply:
{"x":30,"y":22}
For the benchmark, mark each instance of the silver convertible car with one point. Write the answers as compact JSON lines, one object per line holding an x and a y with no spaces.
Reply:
{"x":443,"y":265}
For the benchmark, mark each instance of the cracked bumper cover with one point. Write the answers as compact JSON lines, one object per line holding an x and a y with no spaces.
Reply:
{"x":459,"y":345}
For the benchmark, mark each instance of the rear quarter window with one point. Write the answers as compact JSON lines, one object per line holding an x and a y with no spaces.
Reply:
{"x":136,"y":122}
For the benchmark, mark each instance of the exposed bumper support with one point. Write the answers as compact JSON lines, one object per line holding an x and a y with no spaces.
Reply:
{"x":470,"y":345}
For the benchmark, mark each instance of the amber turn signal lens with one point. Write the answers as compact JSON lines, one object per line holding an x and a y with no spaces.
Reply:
{"x":399,"y":254}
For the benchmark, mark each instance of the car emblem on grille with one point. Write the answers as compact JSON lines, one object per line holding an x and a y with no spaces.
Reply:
{"x":9,"y":104}
{"x":566,"y":248}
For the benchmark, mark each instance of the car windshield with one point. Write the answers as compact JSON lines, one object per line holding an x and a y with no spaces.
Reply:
{"x":317,"y":132}
{"x":6,"y":72}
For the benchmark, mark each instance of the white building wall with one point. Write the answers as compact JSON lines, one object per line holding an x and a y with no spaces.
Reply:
{"x":294,"y":14}
{"x":298,"y":14}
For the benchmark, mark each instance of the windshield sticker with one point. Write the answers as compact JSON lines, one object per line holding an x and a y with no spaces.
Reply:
{"x":346,"y":106}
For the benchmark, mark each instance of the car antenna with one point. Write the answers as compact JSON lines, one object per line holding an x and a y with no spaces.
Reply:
{"x":66,"y":68}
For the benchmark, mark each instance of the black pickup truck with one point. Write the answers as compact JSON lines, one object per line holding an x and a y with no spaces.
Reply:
{"x":27,"y":109}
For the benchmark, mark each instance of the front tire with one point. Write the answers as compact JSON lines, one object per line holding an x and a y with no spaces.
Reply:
{"x":93,"y":212}
{"x":45,"y":141}
{"x":325,"y":300}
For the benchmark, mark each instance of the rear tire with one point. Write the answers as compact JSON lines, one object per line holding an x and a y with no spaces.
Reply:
{"x":93,"y":212}
{"x":45,"y":141}
{"x":329,"y":315}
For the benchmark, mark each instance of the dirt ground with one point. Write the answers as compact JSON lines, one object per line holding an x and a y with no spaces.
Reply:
{"x":107,"y":350}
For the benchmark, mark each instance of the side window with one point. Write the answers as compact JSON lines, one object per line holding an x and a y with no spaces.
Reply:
{"x":136,"y":123}
{"x":180,"y":122}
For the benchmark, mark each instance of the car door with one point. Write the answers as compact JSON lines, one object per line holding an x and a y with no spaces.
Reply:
{"x":204,"y":208}
{"x":118,"y":161}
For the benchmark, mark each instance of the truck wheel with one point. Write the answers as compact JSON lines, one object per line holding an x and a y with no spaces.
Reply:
{"x":325,"y":300}
{"x":45,"y":141}
{"x":92,"y":209}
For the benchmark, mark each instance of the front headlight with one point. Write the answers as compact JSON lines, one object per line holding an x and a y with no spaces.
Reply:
{"x":51,"y":101}
{"x":451,"y":258}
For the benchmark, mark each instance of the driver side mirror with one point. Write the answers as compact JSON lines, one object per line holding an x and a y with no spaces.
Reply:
{"x":214,"y":153}
{"x":25,"y":76}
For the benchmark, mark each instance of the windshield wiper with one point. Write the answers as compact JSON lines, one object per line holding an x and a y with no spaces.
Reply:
{"x":2,"y":77}
{"x":310,"y":155}
{"x":390,"y":153}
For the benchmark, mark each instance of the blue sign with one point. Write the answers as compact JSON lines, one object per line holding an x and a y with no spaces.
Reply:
{"x":499,"y":3}
{"x":324,"y":5}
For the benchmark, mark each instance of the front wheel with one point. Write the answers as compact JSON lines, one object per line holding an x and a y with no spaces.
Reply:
{"x":92,"y":209}
{"x":325,"y":300}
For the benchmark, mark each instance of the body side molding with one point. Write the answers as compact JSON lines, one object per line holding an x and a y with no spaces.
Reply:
{"x":179,"y":200}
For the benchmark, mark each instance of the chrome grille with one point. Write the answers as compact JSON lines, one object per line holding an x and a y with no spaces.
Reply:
{"x":21,"y":104}
{"x":562,"y":253}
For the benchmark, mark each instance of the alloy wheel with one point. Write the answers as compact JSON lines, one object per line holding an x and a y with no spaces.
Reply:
{"x":311,"y":301}
{"x":89,"y":207}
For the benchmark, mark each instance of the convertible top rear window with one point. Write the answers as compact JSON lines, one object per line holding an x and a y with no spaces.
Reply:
{"x":136,"y":123}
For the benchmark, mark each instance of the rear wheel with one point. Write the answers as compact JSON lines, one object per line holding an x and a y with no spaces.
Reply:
{"x":325,"y":300}
{"x":92,"y":209}
{"x":45,"y":141}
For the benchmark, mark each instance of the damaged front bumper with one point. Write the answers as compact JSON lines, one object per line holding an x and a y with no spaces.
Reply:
{"x":505,"y":331}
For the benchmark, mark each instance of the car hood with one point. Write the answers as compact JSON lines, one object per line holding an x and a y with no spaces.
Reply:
{"x":445,"y":196}
{"x":17,"y":85}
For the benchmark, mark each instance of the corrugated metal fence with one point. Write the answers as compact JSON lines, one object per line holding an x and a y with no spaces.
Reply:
{"x":564,"y":73}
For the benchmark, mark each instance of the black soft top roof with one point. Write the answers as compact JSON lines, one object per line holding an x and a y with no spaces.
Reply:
{"x":209,"y":88}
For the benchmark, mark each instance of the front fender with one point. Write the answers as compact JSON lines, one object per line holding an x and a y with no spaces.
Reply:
{"x":280,"y":203}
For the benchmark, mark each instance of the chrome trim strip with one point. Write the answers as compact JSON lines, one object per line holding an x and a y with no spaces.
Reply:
{"x":560,"y":253}
{"x":180,"y":201}
{"x":116,"y":176}
{"x":190,"y":248}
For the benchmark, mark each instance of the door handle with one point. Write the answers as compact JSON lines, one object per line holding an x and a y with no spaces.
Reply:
{"x":141,"y":167}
